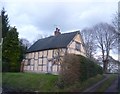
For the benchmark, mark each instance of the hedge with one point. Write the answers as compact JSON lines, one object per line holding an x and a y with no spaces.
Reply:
{"x":78,"y":68}
{"x":88,"y":68}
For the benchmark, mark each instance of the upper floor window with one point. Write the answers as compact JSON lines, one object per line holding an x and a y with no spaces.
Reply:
{"x":78,"y":46}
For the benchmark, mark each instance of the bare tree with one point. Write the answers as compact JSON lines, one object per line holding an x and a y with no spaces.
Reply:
{"x":25,"y":42}
{"x":89,"y":41}
{"x":116,"y":22}
{"x":39,"y":36}
{"x":106,"y":40}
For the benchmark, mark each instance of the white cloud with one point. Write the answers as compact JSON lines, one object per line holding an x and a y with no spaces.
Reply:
{"x":29,"y":32}
{"x":42,"y":15}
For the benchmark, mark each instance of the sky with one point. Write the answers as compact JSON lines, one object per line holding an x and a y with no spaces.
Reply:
{"x":36,"y":18}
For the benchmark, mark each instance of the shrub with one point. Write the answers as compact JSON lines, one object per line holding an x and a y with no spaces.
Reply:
{"x":77,"y":68}
{"x":88,"y":68}
{"x":70,"y":69}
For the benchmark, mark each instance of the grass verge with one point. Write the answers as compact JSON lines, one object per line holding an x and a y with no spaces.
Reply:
{"x":107,"y":83}
{"x":43,"y":82}
{"x":81,"y":86}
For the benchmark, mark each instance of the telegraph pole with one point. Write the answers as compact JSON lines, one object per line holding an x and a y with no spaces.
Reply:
{"x":119,"y":45}
{"x":1,"y":41}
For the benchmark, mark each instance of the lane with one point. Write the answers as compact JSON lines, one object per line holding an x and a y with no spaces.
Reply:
{"x":113,"y":87}
{"x":94,"y":87}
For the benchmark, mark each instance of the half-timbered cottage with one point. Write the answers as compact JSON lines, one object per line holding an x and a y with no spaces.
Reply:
{"x":45,"y":55}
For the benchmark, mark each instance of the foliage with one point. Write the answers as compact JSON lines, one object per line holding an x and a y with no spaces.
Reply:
{"x":70,"y":69}
{"x":23,"y":49}
{"x":11,"y":50}
{"x":79,"y":87}
{"x":78,"y":69}
{"x":5,"y":29}
{"x":88,"y":68}
{"x":5,"y":23}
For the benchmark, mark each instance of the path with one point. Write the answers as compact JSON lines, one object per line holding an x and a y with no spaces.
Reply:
{"x":112,"y":88}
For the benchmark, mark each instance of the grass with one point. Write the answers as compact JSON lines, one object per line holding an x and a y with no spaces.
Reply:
{"x":30,"y":81}
{"x":43,"y":82}
{"x":91,"y":81}
{"x":107,"y":83}
{"x":84,"y":85}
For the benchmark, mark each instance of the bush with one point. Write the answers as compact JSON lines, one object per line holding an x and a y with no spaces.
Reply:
{"x":70,"y":69}
{"x":77,"y":68}
{"x":88,"y":68}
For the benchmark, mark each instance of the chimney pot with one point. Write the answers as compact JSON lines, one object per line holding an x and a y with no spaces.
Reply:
{"x":57,"y":32}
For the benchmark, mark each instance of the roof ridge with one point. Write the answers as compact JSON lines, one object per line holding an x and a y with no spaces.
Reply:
{"x":78,"y":31}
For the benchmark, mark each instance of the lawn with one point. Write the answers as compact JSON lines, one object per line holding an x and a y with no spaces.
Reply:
{"x":29,"y":81}
{"x":42,"y":82}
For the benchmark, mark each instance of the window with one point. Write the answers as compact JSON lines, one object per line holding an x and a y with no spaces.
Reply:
{"x":40,"y":54}
{"x":32,"y":62}
{"x":33,"y":55}
{"x":36,"y":55}
{"x":78,"y":46}
{"x":29,"y":61}
{"x":40,"y":62}
{"x":45,"y":54}
{"x":44,"y":61}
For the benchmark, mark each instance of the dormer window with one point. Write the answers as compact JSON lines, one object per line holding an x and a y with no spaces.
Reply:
{"x":78,"y":46}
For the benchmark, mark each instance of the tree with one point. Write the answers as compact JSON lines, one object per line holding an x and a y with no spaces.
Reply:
{"x":24,"y":45}
{"x":5,"y":23}
{"x":5,"y":28}
{"x":106,"y":40}
{"x":39,"y":36}
{"x":11,"y":49}
{"x":89,"y":41}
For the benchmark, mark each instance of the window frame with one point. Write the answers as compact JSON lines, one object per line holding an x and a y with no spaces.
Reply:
{"x":29,"y":62}
{"x":77,"y":46}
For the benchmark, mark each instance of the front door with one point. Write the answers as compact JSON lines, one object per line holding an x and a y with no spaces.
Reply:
{"x":36,"y":66}
{"x":49,"y":67}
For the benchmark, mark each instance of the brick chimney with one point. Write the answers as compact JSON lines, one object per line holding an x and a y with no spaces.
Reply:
{"x":57,"y":32}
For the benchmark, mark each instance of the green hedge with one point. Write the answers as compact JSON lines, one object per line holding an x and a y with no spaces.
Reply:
{"x":78,"y":68}
{"x":88,"y":68}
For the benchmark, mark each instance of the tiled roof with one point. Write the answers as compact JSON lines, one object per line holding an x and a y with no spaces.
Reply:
{"x":52,"y":42}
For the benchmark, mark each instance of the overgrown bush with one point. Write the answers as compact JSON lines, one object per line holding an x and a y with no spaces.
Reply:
{"x":77,"y":68}
{"x":70,"y":69}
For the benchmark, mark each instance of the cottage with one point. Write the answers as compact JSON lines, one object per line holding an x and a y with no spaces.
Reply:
{"x":45,"y":55}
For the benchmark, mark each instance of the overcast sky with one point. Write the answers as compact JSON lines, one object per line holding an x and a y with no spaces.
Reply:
{"x":40,"y":17}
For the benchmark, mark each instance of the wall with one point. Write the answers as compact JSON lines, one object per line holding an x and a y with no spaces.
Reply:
{"x":72,"y":46}
{"x":44,"y":61}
